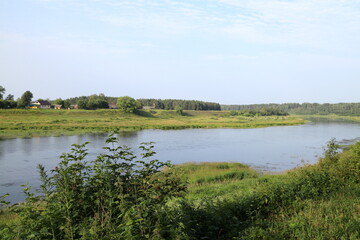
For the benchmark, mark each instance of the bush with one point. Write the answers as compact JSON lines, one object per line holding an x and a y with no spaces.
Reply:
{"x":8,"y":104}
{"x":114,"y":196}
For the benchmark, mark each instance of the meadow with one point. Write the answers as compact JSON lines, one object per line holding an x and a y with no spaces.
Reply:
{"x":41,"y":122}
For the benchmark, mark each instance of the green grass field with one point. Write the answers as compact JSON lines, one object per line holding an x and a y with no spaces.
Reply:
{"x":40,"y":122}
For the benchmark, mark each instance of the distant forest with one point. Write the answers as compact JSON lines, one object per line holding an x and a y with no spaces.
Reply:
{"x":171,"y":104}
{"x":344,"y":109}
{"x":102,"y":101}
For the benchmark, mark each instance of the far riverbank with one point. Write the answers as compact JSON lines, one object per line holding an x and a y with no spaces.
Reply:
{"x":25,"y":123}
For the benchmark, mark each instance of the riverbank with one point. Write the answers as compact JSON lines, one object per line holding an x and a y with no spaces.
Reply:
{"x":232,"y":201}
{"x":40,"y":122}
{"x":331,"y":117}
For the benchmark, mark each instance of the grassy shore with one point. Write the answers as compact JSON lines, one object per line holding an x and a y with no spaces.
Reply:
{"x":40,"y":122}
{"x":233,"y":201}
{"x":332,"y":117}
{"x":320,"y":201}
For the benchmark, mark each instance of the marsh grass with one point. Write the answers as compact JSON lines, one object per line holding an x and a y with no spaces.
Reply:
{"x":213,"y":180}
{"x":335,"y":217}
{"x":51,"y":122}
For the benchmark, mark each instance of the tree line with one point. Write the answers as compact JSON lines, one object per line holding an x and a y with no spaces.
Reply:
{"x":91,"y":102}
{"x":344,"y":109}
{"x":259,"y":112}
{"x":101,"y":101}
{"x":104,"y":102}
{"x":9,"y":102}
{"x":171,"y":104}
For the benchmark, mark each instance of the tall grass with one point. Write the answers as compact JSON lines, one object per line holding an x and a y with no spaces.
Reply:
{"x":312,"y":202}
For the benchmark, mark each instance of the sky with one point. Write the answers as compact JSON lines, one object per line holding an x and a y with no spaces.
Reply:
{"x":225,"y":51}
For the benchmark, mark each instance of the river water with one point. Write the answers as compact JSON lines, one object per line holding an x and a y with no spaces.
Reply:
{"x":267,"y":149}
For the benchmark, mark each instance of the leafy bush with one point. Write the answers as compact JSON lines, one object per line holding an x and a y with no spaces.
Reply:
{"x":114,"y":196}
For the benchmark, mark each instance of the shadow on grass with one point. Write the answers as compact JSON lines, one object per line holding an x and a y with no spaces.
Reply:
{"x":186,"y":114}
{"x":143,"y":113}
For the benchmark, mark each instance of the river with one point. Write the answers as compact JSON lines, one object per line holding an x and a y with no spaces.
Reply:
{"x":267,"y":149}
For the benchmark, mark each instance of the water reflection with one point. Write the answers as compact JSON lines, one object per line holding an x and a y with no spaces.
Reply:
{"x":127,"y":134}
{"x":2,"y":150}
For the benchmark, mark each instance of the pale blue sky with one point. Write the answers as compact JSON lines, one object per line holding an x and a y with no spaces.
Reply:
{"x":227,"y":51}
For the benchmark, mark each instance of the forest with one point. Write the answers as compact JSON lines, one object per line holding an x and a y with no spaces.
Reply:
{"x":343,"y":109}
{"x":259,"y":112}
{"x":171,"y":104}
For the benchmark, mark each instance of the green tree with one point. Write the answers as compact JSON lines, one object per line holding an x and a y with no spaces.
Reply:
{"x":127,"y":104}
{"x":179,"y":110}
{"x":9,"y":97}
{"x":67,"y":104}
{"x":25,"y":99}
{"x":81,"y":104}
{"x":2,"y":91}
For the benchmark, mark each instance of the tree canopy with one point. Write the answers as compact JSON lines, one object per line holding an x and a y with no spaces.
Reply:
{"x":25,"y":99}
{"x":128,"y":104}
{"x":2,"y":91}
{"x":91,"y":102}
{"x":171,"y":104}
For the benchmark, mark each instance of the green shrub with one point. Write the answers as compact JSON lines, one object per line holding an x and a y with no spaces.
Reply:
{"x":114,"y":196}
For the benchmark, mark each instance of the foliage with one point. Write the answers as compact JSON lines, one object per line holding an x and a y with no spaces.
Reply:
{"x":9,"y":97}
{"x":128,"y":104}
{"x":259,"y":112}
{"x":101,"y":96}
{"x":114,"y":196}
{"x":344,"y":109}
{"x":25,"y":99}
{"x":91,"y":102}
{"x":2,"y":91}
{"x":179,"y":110}
{"x":6,"y":104}
{"x":171,"y":104}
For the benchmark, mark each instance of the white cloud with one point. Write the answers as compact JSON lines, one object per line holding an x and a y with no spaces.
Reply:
{"x":302,"y":22}
{"x":316,"y":24}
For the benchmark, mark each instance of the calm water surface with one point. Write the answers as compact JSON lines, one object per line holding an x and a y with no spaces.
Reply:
{"x":271,"y":149}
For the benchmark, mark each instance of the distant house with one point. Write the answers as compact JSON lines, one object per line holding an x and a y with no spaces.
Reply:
{"x":58,"y":106}
{"x":113,"y":106}
{"x":43,"y":104}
